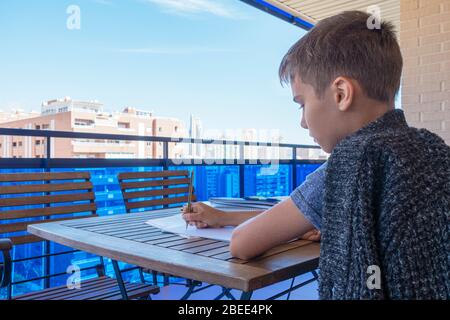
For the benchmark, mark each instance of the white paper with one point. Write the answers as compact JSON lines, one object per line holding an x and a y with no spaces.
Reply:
{"x":176,"y":224}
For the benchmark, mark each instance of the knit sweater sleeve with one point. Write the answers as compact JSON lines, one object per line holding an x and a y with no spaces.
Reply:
{"x":413,"y":223}
{"x":349,"y":245}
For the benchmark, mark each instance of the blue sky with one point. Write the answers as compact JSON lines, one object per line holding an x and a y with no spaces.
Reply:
{"x":216,"y":59}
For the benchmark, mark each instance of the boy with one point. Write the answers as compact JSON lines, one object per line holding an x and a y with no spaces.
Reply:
{"x":386,"y":202}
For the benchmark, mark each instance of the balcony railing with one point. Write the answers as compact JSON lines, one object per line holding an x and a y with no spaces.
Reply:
{"x":42,"y":265}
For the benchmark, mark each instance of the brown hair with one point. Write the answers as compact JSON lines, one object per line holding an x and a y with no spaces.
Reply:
{"x":343,"y":45}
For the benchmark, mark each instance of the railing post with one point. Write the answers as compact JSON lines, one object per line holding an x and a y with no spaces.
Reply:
{"x":294,"y":168}
{"x":165,"y":165}
{"x":241,"y":171}
{"x":166,"y":154}
{"x":47,"y":243}
{"x":48,"y":150}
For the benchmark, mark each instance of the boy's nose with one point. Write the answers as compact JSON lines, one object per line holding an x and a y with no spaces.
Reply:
{"x":303,"y":122}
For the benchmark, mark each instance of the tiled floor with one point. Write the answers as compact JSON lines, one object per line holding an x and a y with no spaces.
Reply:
{"x":308,"y":292}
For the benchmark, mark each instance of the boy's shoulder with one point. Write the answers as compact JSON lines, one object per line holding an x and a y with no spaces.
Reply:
{"x":400,"y":144}
{"x":403,"y":139}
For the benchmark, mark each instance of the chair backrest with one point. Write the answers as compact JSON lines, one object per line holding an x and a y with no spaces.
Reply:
{"x":162,"y":187}
{"x":40,"y":196}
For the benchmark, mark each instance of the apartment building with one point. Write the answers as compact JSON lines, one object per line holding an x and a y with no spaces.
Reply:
{"x":16,"y":114}
{"x":88,"y":116}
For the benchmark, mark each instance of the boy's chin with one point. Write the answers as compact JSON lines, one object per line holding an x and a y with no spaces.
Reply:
{"x":328,"y":148}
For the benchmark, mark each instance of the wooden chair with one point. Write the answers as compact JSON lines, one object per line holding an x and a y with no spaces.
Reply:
{"x":169,"y":187}
{"x":61,"y":194}
{"x":157,"y":185}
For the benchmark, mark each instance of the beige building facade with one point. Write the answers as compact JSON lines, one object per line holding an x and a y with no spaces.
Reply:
{"x":88,"y":117}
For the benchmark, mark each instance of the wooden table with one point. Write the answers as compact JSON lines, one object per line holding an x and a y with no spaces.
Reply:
{"x":127,"y":238}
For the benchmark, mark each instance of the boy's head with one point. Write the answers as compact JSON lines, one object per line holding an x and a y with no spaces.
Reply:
{"x":343,"y":74}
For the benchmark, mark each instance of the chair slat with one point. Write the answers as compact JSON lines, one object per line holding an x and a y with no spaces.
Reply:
{"x":153,"y":193}
{"x":25,"y":239}
{"x":157,"y":202}
{"x":153,"y":183}
{"x":47,"y":187}
{"x":86,"y":294}
{"x":94,"y":289}
{"x":22,"y":226}
{"x":48,"y":211}
{"x":43,"y":176}
{"x":150,"y":174}
{"x":42,"y":292}
{"x":23,"y":201}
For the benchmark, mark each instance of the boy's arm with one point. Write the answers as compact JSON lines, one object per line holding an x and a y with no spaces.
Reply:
{"x":278,"y":225}
{"x":235,"y":218}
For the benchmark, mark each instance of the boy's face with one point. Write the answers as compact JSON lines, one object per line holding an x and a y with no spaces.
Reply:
{"x":320,"y":115}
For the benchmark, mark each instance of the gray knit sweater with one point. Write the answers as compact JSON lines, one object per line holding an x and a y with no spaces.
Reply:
{"x":387,"y":203}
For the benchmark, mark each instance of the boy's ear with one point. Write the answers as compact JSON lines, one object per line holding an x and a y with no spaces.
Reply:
{"x":344,"y":91}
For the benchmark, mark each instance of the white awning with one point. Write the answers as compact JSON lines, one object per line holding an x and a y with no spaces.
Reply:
{"x":313,"y":11}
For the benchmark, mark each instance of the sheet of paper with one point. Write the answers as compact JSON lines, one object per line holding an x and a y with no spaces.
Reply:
{"x":176,"y":224}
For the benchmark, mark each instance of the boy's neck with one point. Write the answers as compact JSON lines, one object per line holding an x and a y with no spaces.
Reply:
{"x":366,"y":112}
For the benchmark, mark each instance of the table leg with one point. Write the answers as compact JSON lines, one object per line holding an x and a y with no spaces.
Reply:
{"x":119,"y":278}
{"x":246,"y":295}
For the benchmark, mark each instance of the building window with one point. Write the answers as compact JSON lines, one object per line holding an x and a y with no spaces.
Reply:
{"x":176,"y":128}
{"x":84,"y":122}
{"x":45,"y":127}
{"x":20,"y":143}
{"x":14,"y":144}
{"x":38,"y":127}
{"x":37,"y":142}
{"x":123,"y":125}
{"x":160,"y":129}
{"x":38,"y":156}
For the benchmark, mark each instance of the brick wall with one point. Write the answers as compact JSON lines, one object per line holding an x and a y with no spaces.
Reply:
{"x":425,"y":44}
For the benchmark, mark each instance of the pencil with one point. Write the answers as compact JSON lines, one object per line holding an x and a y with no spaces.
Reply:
{"x":189,"y":205}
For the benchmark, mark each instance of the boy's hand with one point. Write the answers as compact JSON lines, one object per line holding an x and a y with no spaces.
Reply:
{"x":203,"y":216}
{"x":312,"y":235}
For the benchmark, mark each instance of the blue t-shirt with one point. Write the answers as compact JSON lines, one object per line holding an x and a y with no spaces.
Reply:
{"x":308,"y":196}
